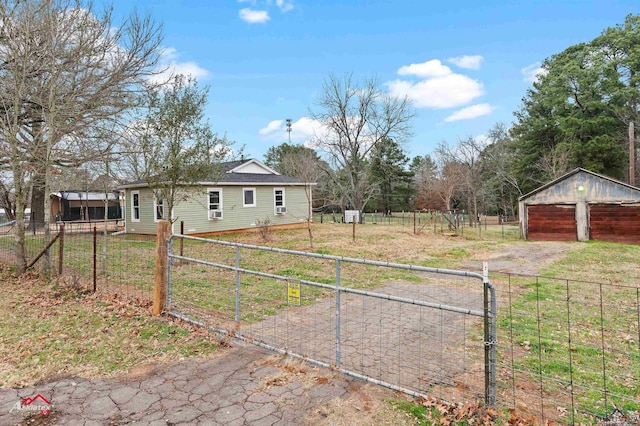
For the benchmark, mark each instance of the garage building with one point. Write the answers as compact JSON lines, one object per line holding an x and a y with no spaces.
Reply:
{"x":581,"y":205}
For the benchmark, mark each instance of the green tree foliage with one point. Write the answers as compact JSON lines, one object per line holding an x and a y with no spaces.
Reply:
{"x":389,"y":170}
{"x":276,"y":157}
{"x":578,"y":112}
{"x":177,"y":145}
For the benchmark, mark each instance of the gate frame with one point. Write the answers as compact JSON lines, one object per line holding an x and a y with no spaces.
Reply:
{"x":489,"y":312}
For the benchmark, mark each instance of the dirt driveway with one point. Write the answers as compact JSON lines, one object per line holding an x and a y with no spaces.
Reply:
{"x":523,"y":257}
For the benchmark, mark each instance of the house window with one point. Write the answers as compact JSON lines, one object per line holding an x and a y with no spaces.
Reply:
{"x":278,"y":201}
{"x":158,"y":207}
{"x":279,"y":197}
{"x":135,"y":206}
{"x":248,"y":197}
{"x":214,"y":202}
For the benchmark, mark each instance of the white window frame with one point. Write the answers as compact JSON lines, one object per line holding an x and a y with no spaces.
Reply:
{"x":135,"y":208}
{"x":275,"y":199}
{"x":220,"y":208}
{"x":155,"y":209}
{"x":255,"y":196}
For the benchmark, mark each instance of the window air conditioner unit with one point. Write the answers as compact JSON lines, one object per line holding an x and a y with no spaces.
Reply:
{"x":281,"y":210}
{"x":215,"y":214}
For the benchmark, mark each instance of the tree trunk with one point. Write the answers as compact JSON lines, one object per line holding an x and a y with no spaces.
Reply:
{"x":37,"y":200}
{"x":19,"y":236}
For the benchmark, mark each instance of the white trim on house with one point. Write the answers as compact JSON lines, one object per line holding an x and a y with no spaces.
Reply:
{"x":218,"y":206}
{"x":279,"y":206}
{"x":135,"y":209}
{"x":244,"y":197}
{"x":253,"y":166}
{"x":161,"y":205}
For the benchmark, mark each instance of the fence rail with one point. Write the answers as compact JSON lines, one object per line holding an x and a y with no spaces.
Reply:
{"x":567,"y":350}
{"x":384,"y":334}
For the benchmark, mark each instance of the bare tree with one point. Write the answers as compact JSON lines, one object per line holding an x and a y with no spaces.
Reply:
{"x":356,"y":118}
{"x":553,"y":164}
{"x":7,"y":199}
{"x":308,"y":167}
{"x":466,"y":153}
{"x":450,"y":181}
{"x":499,"y":173}
{"x":66,"y":75}
{"x":426,"y":183}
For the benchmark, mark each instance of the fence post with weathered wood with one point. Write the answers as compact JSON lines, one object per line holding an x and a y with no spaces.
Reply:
{"x":95,"y":258}
{"x":61,"y":249}
{"x":160,"y":283}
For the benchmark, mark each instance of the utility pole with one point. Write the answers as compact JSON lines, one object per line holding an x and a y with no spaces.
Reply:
{"x":289,"y":129}
{"x":632,"y":154}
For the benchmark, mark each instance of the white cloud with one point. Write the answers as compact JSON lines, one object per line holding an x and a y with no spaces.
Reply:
{"x":468,"y":113}
{"x":273,"y":126}
{"x":443,"y":92}
{"x":284,"y":6}
{"x":532,"y":73}
{"x":471,"y":62}
{"x":482,"y":140}
{"x":432,"y":68}
{"x":302,"y":130}
{"x":254,"y":16}
{"x":170,"y":66}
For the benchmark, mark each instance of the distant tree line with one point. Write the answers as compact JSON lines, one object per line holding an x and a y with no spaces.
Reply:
{"x":82,"y":106}
{"x":581,"y":111}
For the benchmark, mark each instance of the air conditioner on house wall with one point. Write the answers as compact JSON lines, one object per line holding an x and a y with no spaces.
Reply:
{"x":281,"y":210}
{"x":215,"y":214}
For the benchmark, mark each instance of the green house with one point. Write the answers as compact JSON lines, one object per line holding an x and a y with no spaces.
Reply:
{"x":246,"y":194}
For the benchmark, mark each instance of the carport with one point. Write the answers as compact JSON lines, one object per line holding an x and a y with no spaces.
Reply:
{"x":581,"y":205}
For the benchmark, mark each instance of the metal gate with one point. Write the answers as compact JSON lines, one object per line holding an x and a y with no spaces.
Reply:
{"x":416,"y":329}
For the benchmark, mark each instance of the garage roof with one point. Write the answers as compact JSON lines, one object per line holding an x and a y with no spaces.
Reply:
{"x":594,"y":186}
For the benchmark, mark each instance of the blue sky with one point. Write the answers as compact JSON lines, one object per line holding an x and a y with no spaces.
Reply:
{"x":465,"y":65}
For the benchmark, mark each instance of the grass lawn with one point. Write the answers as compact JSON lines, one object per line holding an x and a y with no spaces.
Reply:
{"x":555,"y":332}
{"x":58,"y":329}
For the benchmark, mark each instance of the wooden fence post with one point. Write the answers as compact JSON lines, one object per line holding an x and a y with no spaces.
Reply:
{"x":95,"y":258}
{"x":61,"y":249}
{"x":160,"y":284}
{"x":182,"y":239}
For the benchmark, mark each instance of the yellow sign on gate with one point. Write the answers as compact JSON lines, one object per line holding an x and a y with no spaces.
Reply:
{"x":293,"y":293}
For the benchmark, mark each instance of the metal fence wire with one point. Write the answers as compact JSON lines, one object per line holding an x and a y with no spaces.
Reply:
{"x":569,"y":350}
{"x":422,"y":331}
{"x":562,"y":350}
{"x":111,"y":263}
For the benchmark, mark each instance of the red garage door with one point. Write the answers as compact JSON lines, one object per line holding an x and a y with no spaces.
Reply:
{"x":615,"y":222}
{"x":551,"y":222}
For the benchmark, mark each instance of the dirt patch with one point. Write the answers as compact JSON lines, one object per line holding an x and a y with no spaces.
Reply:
{"x":525,"y":257}
{"x":365,"y":405}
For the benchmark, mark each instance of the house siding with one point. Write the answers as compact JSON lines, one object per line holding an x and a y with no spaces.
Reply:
{"x":194,"y":211}
{"x":146,"y":225}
